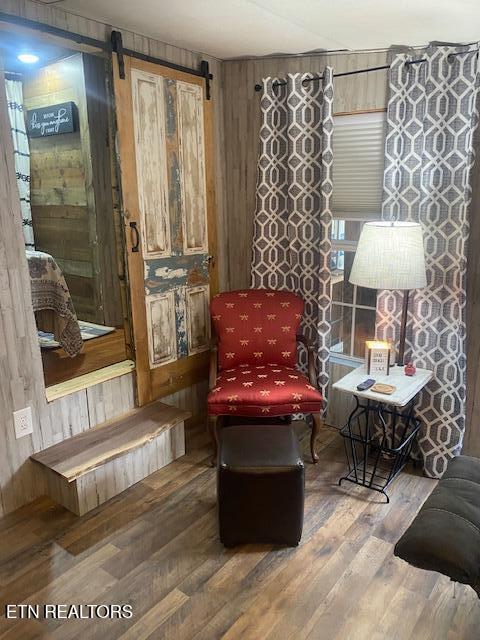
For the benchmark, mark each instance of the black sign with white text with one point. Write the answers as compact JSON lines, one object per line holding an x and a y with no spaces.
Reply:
{"x":50,"y":121}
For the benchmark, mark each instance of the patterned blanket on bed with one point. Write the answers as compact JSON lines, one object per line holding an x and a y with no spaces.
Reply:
{"x":52,"y":302}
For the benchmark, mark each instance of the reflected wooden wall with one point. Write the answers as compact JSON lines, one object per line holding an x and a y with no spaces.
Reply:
{"x":71,"y":186}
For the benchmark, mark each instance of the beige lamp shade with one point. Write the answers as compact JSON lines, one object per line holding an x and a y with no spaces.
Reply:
{"x":390,"y":255}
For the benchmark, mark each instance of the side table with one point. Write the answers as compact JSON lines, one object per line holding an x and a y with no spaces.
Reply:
{"x":381,"y":429}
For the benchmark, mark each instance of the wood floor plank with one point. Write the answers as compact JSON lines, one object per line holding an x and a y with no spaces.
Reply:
{"x":341,"y":600}
{"x":401,"y":615}
{"x":438,"y":613}
{"x":156,"y":616}
{"x":156,"y":547}
{"x":466,"y":620}
{"x":81,"y":583}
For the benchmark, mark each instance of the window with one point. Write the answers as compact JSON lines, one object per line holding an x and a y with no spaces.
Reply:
{"x":358,"y":147}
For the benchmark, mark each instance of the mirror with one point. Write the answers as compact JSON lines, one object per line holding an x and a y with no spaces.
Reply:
{"x":61,"y":127}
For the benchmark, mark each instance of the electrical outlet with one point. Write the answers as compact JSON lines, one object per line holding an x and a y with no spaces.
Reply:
{"x":23,"y":422}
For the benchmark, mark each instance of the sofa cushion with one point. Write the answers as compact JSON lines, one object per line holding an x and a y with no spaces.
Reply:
{"x":256,"y":326}
{"x":445,"y":534}
{"x":270,"y":390}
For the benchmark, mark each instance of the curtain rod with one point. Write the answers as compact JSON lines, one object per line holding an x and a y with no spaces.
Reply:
{"x":281,"y":83}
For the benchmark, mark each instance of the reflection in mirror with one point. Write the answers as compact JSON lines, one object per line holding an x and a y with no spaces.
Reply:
{"x":58,"y":108}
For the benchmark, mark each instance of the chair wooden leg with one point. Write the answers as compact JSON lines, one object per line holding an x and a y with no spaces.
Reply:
{"x":213,"y":432}
{"x":316,"y":424}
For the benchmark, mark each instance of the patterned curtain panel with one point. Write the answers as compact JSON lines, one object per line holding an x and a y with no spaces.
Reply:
{"x":432,"y":114}
{"x":291,"y":246}
{"x":22,"y":155}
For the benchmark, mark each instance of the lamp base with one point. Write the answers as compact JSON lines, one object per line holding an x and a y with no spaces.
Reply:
{"x":403,"y":329}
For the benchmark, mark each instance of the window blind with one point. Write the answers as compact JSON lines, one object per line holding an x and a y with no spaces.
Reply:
{"x":358,"y":162}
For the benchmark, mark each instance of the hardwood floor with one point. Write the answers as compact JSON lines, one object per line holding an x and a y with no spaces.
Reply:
{"x":155,"y":547}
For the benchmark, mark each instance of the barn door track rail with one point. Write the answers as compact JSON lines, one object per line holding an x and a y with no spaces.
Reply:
{"x":118,"y":48}
{"x":114,"y":45}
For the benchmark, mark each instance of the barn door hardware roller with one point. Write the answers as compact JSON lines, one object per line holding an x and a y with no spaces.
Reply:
{"x":118,"y":48}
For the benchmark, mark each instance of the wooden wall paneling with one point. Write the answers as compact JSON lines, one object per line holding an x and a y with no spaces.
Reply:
{"x":101,"y":153}
{"x":110,"y":399}
{"x":86,"y":136}
{"x":215,"y":223}
{"x":66,"y":417}
{"x":21,"y":376}
{"x":21,"y":379}
{"x":59,"y":171}
{"x":472,"y":436}
{"x":340,"y":404}
{"x":191,"y":399}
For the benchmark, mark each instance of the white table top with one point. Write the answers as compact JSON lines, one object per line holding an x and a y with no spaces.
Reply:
{"x":407,"y":387}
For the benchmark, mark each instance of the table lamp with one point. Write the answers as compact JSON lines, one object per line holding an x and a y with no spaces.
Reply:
{"x":390,"y":255}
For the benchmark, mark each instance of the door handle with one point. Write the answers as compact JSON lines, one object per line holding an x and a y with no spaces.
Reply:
{"x":136,"y":233}
{"x":209,"y":260}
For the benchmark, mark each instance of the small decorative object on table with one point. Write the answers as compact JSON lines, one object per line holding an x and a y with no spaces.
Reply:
{"x":377,"y":357}
{"x":380,"y":431}
{"x":410,"y":369}
{"x":387,"y":389}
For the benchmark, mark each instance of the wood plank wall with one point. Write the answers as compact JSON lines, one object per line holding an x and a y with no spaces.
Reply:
{"x":472,"y":437}
{"x":21,"y":377}
{"x":71,"y":186}
{"x":60,"y":212}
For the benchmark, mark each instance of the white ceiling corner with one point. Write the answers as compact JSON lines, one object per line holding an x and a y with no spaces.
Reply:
{"x":236,"y":28}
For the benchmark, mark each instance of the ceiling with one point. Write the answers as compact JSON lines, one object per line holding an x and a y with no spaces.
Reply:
{"x":236,"y":28}
{"x":12,"y":43}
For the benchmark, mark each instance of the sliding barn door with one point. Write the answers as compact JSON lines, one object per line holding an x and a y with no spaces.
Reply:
{"x":164,"y":149}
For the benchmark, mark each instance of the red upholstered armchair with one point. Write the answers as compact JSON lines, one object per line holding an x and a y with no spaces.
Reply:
{"x":253,"y":365}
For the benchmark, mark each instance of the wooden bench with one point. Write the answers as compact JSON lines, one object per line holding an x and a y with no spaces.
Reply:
{"x":84,"y":471}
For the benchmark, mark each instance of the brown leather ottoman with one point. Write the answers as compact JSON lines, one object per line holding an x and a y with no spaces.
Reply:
{"x":260,"y":485}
